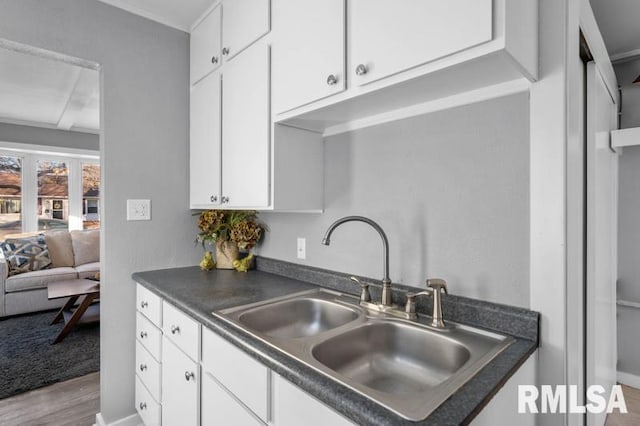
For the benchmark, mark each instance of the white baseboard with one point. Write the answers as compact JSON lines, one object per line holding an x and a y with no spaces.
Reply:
{"x":133,"y":420}
{"x":629,"y":379}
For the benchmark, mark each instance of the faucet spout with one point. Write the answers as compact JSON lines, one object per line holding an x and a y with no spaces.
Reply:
{"x":386,"y":281}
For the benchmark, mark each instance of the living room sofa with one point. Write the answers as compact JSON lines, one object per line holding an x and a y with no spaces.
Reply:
{"x":72,"y":255}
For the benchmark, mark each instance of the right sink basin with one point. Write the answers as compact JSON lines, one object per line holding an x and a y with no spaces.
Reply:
{"x":392,"y":357}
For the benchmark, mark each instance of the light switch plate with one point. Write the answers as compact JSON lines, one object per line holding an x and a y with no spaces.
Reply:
{"x":138,"y":209}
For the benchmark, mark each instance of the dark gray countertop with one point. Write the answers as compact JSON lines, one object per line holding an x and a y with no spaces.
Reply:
{"x":199,"y":293}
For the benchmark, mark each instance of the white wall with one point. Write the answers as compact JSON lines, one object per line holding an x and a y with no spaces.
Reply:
{"x":48,"y":137}
{"x":629,"y":226}
{"x":450,"y":189}
{"x":144,"y":154}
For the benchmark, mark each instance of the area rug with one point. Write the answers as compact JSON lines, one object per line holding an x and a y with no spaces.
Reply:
{"x":28,"y":360}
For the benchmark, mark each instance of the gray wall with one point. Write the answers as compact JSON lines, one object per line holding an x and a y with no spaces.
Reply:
{"x":144,"y":154}
{"x":48,"y":137}
{"x":451,"y":190}
{"x":629,"y":225}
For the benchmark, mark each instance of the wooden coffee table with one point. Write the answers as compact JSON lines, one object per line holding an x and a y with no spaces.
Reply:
{"x":84,"y":313}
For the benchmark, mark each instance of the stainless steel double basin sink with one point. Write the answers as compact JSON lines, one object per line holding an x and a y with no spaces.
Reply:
{"x":403,"y":365}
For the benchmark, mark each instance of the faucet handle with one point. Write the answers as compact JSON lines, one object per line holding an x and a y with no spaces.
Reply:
{"x":410,"y":307}
{"x":437,"y":284}
{"x":365,"y":296}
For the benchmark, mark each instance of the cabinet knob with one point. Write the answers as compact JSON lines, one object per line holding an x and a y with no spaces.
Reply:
{"x":143,"y":406}
{"x":332,"y":80}
{"x":361,"y":69}
{"x":214,"y":198}
{"x":175,"y":329}
{"x":188,"y":375}
{"x":214,"y":59}
{"x":143,"y":334}
{"x":225,"y":51}
{"x":143,"y":304}
{"x":224,"y":199}
{"x":143,"y":367}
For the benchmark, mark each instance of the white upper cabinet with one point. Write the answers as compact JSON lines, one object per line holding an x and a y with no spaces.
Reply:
{"x":308,"y":51}
{"x":206,"y":45}
{"x":205,"y":144}
{"x":246,"y":129}
{"x":389,"y":37}
{"x":244,"y":21}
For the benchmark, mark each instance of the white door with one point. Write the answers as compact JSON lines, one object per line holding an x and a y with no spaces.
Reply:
{"x":205,"y":45}
{"x":387,"y":37}
{"x":180,"y":387}
{"x":204,"y":143}
{"x":602,"y":191}
{"x":246,"y":129}
{"x":308,"y":51}
{"x":243,"y":22}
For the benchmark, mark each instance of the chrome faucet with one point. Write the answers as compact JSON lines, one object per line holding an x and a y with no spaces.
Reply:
{"x":435,"y":286}
{"x":386,"y":281}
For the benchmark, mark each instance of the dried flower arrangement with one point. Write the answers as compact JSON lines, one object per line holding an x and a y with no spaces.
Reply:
{"x":230,"y":230}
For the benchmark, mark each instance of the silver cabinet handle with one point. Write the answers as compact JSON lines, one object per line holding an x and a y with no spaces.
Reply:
{"x":175,"y":329}
{"x":143,"y":367}
{"x":188,"y":375}
{"x":361,"y":69}
{"x":332,"y":80}
{"x":224,"y":199}
{"x":225,"y":51}
{"x":144,"y":304}
{"x":143,"y":405}
{"x":214,"y":59}
{"x":143,"y":334}
{"x":214,"y":198}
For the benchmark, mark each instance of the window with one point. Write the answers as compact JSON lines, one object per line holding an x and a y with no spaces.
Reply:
{"x":90,"y":196}
{"x":53,"y":194}
{"x":40,"y":191}
{"x":10,"y":195}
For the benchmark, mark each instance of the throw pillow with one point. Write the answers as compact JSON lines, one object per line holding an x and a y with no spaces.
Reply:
{"x":26,"y":254}
{"x":60,"y":248}
{"x":86,"y":246}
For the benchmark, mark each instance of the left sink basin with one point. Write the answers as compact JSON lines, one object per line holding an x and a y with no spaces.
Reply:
{"x":296,"y":317}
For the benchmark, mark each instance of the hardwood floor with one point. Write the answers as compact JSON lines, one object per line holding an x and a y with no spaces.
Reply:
{"x":74,"y":402}
{"x":632,"y":418}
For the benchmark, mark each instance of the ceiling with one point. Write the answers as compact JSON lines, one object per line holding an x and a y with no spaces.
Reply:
{"x":43,"y":92}
{"x":180,"y":14}
{"x":619,"y":22}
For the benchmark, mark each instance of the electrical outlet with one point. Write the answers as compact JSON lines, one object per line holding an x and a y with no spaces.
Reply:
{"x":302,"y":248}
{"x":138,"y":209}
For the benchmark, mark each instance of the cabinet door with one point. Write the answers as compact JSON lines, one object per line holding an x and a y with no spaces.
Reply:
{"x":205,"y":45}
{"x":308,"y":51}
{"x":180,"y":387}
{"x":244,"y":21}
{"x":388,"y":37}
{"x":220,"y":408}
{"x":292,"y":407}
{"x":204,"y":149}
{"x":245,"y":129}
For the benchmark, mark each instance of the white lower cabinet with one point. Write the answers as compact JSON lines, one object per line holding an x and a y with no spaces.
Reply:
{"x":147,"y":407}
{"x":292,"y":407}
{"x":219,"y":407}
{"x":180,"y":387}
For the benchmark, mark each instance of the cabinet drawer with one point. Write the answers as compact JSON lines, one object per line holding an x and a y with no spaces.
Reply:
{"x":148,"y":409}
{"x":181,"y":330}
{"x":180,"y":387}
{"x":150,"y":304}
{"x":219,"y":407}
{"x":242,"y":375}
{"x":149,"y":335}
{"x":148,"y":370}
